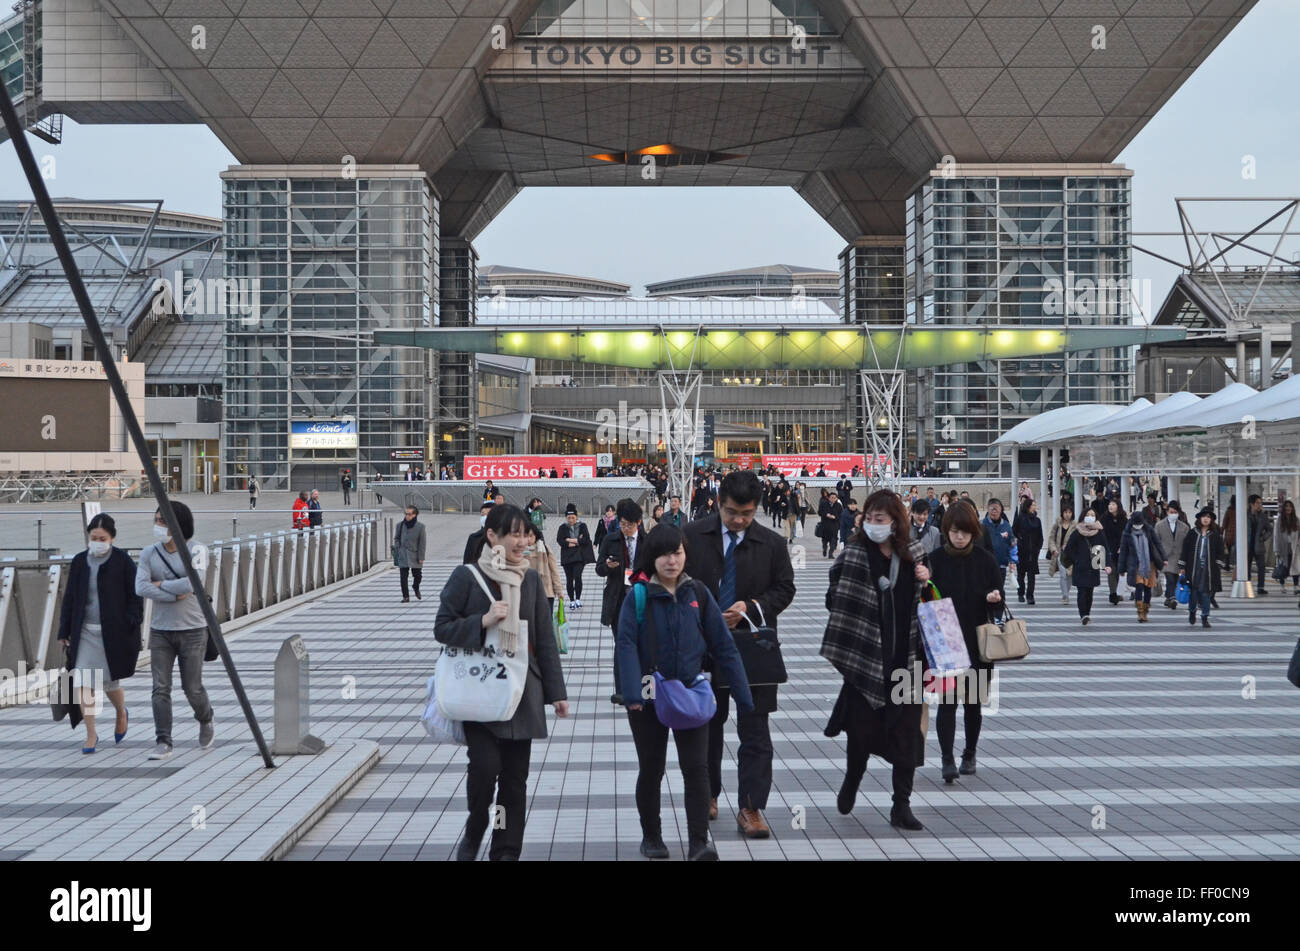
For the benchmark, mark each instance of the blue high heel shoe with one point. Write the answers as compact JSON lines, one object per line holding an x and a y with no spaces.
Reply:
{"x":119,"y":737}
{"x":90,"y":749}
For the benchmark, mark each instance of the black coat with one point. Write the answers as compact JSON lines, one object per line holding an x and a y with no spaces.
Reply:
{"x":615,"y":586}
{"x":968,"y":579}
{"x":579,"y":554}
{"x":1112,"y":526}
{"x":1080,"y":549}
{"x":474,"y":546}
{"x":121,"y":611}
{"x":461,"y":607}
{"x":1186,"y":559}
{"x":1128,"y":556}
{"x":1028,"y":530}
{"x":764,"y":576}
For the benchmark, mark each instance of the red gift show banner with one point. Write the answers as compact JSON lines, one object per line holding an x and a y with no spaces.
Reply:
{"x":835,"y":463}
{"x":528,"y":467}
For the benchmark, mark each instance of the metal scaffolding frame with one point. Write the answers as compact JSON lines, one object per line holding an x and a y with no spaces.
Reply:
{"x":679,"y":399}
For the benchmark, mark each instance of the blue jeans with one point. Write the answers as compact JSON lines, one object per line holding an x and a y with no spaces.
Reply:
{"x":165,"y":649}
{"x":1203,"y":597}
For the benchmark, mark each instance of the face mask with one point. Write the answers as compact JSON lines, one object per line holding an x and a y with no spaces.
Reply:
{"x":99,"y":548}
{"x":160,"y":531}
{"x":1089,"y":519}
{"x":878,"y":533}
{"x":482,"y":520}
{"x":1173,"y":517}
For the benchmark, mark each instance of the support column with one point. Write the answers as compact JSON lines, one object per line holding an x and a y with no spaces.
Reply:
{"x":1241,"y":587}
{"x":883,"y":398}
{"x":1060,"y":484}
{"x":1241,"y":362}
{"x":1265,"y":359}
{"x":679,"y":395}
{"x":1044,"y":460}
{"x":1013,"y":502}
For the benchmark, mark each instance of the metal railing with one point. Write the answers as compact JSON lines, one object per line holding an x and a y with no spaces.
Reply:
{"x":242,"y":576}
{"x":464,"y":496}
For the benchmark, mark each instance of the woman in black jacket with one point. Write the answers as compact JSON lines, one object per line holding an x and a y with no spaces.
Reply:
{"x":872,"y":633}
{"x":1028,"y":529}
{"x":1203,"y":550}
{"x":99,"y":624}
{"x":968,"y":573}
{"x":1113,"y":522}
{"x":499,"y":752}
{"x":575,"y":553}
{"x":1087,"y":558}
{"x":1141,"y":556}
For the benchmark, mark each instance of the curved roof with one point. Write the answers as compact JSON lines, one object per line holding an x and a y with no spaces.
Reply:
{"x":1175,"y":405}
{"x":1277,"y":403}
{"x":1034,"y":429}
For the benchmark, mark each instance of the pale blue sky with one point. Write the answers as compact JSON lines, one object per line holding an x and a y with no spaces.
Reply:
{"x":1241,"y":101}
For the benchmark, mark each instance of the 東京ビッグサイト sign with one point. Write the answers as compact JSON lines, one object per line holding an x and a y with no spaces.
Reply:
{"x":323,"y":434}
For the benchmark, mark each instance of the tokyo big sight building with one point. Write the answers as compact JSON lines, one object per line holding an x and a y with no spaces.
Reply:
{"x":963,"y":149}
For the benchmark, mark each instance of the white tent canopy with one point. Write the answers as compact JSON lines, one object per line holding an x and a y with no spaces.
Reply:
{"x":1084,"y":430}
{"x":1033,"y":430}
{"x":1276,"y":404}
{"x":1168,"y":411}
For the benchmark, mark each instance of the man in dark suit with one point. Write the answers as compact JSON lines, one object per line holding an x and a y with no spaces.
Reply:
{"x":614,"y":563}
{"x":844,"y":489}
{"x":747,"y":568}
{"x":474,"y":544}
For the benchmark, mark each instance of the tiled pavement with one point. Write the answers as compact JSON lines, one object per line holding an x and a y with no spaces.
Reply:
{"x":1147,"y":722}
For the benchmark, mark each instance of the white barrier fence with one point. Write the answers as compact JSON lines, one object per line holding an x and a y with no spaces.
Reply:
{"x":243,"y":577}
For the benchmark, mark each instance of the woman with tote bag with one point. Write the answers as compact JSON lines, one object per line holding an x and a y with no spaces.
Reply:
{"x":967,"y":572}
{"x":501,"y":592}
{"x":872,"y":632}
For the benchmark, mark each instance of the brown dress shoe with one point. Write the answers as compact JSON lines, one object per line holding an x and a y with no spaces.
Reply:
{"x":713,"y":809}
{"x":750,"y":822}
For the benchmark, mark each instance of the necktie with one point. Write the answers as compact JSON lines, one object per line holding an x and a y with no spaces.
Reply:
{"x":727,"y":589}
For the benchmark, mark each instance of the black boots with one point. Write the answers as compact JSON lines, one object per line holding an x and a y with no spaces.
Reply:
{"x":967,"y":763}
{"x":901,"y":818}
{"x":652,"y":847}
{"x":949,"y":769}
{"x":701,"y":851}
{"x":848,"y":791}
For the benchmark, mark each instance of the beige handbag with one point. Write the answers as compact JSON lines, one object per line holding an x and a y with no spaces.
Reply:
{"x":1007,"y":640}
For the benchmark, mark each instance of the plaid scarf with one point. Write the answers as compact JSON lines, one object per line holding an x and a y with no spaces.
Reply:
{"x":853,"y":638}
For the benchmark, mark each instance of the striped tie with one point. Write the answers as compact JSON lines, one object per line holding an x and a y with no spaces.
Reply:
{"x":727,"y":589}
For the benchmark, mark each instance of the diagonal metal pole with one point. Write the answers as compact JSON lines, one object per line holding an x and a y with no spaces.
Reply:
{"x":60,"y":242}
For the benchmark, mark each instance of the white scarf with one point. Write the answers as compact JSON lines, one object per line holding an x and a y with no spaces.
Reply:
{"x":492,"y":562}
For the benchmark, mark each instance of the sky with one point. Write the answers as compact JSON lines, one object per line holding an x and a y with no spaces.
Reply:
{"x":1240,"y":102}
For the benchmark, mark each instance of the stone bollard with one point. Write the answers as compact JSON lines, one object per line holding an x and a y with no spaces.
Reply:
{"x":293,"y":702}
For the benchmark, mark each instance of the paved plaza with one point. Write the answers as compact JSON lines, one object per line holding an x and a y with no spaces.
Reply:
{"x":1150,"y":728}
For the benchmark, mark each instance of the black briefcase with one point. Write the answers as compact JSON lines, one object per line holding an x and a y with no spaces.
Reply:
{"x":760,"y":652}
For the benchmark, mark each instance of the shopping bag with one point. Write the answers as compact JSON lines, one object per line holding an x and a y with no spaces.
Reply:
{"x":798,"y":529}
{"x":1122,"y":589}
{"x":483,"y":685}
{"x":945,"y":645}
{"x":1281,"y":570}
{"x":435,"y":724}
{"x":1183,"y":593}
{"x":1003,"y":640}
{"x":63,"y":697}
{"x":561,"y":623}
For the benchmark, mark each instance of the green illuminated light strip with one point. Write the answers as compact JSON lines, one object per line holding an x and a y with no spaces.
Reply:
{"x":826,"y":346}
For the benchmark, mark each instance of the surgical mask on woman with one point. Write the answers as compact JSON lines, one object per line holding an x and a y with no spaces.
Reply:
{"x":160,"y":531}
{"x":878,"y":533}
{"x":99,"y":549}
{"x":1089,"y":519}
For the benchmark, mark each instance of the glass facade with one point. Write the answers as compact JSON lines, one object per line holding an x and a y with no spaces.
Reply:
{"x":334,"y":257}
{"x":458,"y":307}
{"x":676,"y":18}
{"x":1046,"y":250}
